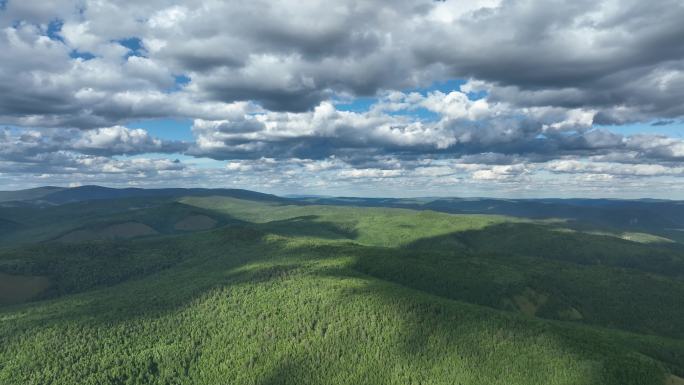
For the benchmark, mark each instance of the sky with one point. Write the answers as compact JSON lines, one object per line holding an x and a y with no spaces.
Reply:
{"x":501,"y":98}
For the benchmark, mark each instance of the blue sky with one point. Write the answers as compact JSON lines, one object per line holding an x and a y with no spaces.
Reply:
{"x":170,"y":129}
{"x":181,"y":129}
{"x":129,"y":93}
{"x":673,"y":129}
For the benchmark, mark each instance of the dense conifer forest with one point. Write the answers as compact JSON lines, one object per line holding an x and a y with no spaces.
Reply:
{"x":255,"y":289}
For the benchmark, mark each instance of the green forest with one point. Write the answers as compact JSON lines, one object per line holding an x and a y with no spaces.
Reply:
{"x":254,"y":290}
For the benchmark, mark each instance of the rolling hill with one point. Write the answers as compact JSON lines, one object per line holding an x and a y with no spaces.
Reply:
{"x":29,"y":194}
{"x":228,"y":286}
{"x":662,"y":217}
{"x":59,"y":195}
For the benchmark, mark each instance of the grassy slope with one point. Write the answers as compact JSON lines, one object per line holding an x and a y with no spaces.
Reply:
{"x":290,"y":299}
{"x":368,"y":226}
{"x":660,"y":218}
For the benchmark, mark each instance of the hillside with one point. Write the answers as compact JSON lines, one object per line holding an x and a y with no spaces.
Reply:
{"x":58,"y":195}
{"x":663,"y":217}
{"x":28,"y":195}
{"x":208,"y":288}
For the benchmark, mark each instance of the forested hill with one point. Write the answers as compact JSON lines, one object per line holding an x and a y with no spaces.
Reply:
{"x":210,"y":289}
{"x":59,"y":195}
{"x":665,"y":217}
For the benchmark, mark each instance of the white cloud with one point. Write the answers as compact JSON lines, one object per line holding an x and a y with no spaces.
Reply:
{"x":501,"y":173}
{"x":260,"y":89}
{"x":369,"y":173}
{"x":614,"y":169}
{"x":118,"y":139}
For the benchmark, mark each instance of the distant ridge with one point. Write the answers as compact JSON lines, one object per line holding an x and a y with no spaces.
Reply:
{"x":59,"y":195}
{"x":7,"y":225}
{"x":654,"y":215}
{"x":29,"y":194}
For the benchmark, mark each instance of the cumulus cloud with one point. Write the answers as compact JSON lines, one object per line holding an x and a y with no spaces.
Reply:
{"x":17,"y":144}
{"x":122,"y":140}
{"x":501,"y":172}
{"x":588,"y":54}
{"x":262,"y":88}
{"x":611,"y":168}
{"x":461,"y":127}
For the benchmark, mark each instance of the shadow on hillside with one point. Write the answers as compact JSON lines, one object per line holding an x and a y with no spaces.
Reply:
{"x":200,"y":263}
{"x":431,"y":257}
{"x":309,"y":226}
{"x":423,"y":334}
{"x":560,"y":244}
{"x":588,"y":278}
{"x":105,"y":256}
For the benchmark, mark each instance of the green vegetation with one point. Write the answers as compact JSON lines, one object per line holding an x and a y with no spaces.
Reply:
{"x":367,"y":226}
{"x":265,"y":292}
{"x":18,"y":288}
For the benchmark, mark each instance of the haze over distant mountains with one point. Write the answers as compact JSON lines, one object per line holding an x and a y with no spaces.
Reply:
{"x":663,"y":217}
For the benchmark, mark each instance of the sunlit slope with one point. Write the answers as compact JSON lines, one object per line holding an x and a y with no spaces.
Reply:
{"x":536,"y":268}
{"x":369,"y":226}
{"x":303,"y":294}
{"x":663,"y":218}
{"x":255,"y":310}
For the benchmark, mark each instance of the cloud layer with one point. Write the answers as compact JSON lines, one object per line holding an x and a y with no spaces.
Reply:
{"x":265,"y":85}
